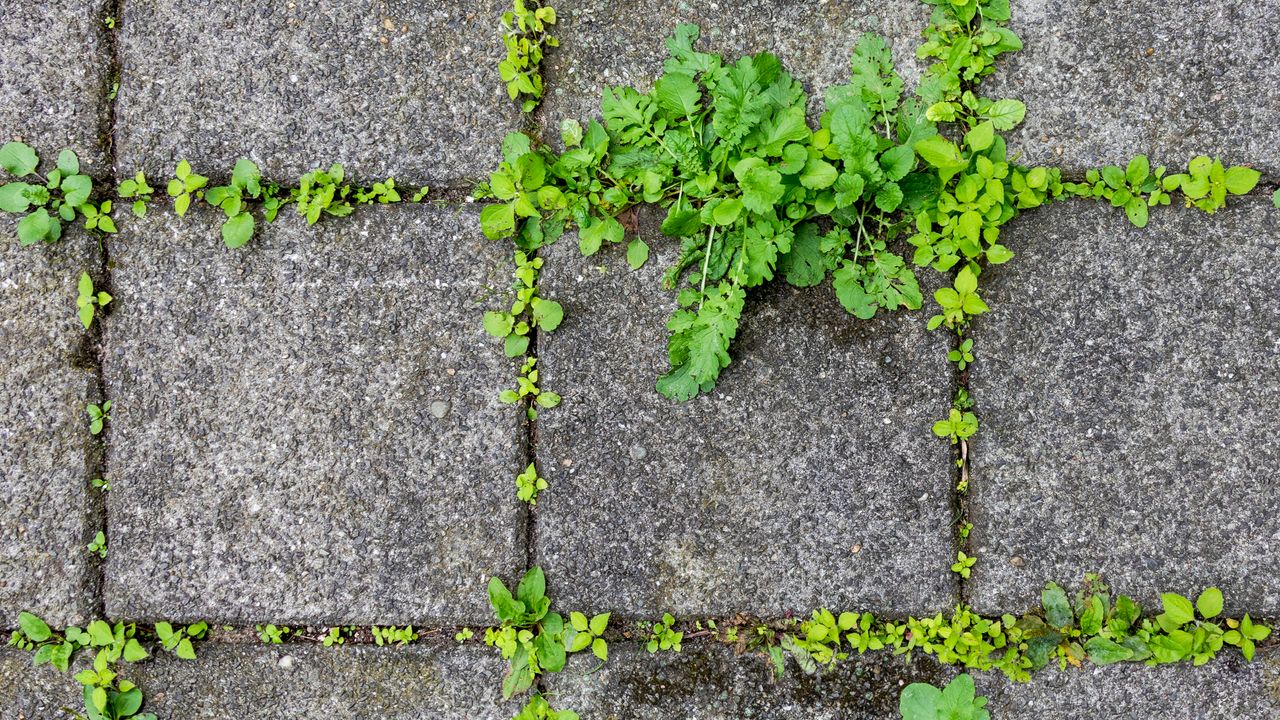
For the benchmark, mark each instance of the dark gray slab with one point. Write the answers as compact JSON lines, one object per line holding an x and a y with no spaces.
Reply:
{"x":1106,"y":81}
{"x":1126,"y":383}
{"x":45,"y":513}
{"x":1226,"y":689}
{"x":391,"y":88}
{"x":709,"y":682}
{"x":807,"y":478}
{"x":274,"y":449}
{"x":35,"y":693}
{"x":618,"y":42}
{"x":362,"y":683}
{"x":54,"y":78}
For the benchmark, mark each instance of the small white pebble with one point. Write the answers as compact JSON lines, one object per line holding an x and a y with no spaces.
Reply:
{"x":285,"y":662}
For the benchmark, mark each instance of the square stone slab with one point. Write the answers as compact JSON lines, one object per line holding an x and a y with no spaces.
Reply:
{"x":618,"y":42}
{"x":399,"y":88}
{"x":809,"y":476}
{"x":46,"y":511}
{"x":1226,"y":689}
{"x":1126,"y":383}
{"x":1106,"y":81}
{"x":708,"y":681}
{"x":54,"y":78}
{"x":308,"y":429}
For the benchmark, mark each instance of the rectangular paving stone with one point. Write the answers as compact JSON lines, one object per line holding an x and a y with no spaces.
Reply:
{"x":616,"y":42}
{"x":1106,"y":81}
{"x":54,"y":77}
{"x":807,"y":477}
{"x":1226,"y":689}
{"x":1126,"y":383}
{"x":396,"y":88}
{"x":45,"y":508}
{"x":708,"y":681}
{"x":308,"y":429}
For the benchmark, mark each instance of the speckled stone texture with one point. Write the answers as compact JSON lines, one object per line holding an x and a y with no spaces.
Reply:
{"x":1127,"y":383}
{"x":1104,"y":81}
{"x":44,"y":501}
{"x":619,"y":42}
{"x":54,"y":68}
{"x":275,"y":451}
{"x":1226,"y":689}
{"x":34,"y":693}
{"x":805,"y":479}
{"x":709,"y":682}
{"x":397,"y":88}
{"x":420,"y":682}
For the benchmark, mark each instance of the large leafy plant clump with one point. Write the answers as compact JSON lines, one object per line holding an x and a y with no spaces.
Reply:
{"x":754,"y":192}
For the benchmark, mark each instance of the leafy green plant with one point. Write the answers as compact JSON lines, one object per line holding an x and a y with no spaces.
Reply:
{"x":98,"y":546}
{"x":528,"y":485}
{"x":246,"y":184}
{"x":464,"y":635}
{"x":336,"y":636}
{"x":525,"y":36}
{"x":393,"y":635}
{"x":527,"y":387}
{"x":272,"y":634}
{"x":586,"y":633}
{"x":957,"y":701}
{"x":382,"y":193}
{"x":185,"y":187}
{"x":958,"y":426}
{"x":136,"y":189}
{"x":528,"y":310}
{"x":538,"y":709}
{"x":52,"y":202}
{"x":664,"y":636}
{"x":179,"y":640}
{"x":87,"y":301}
{"x":98,"y":416}
{"x":322,"y":192}
{"x":530,"y":637}
{"x":101,"y":484}
{"x":963,"y":566}
{"x":1243,"y":633}
{"x":962,"y":356}
{"x":1207,"y":183}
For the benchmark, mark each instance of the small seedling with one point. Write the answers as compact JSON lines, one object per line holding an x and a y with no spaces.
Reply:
{"x":588,"y":634}
{"x":336,"y":636}
{"x":246,"y":184}
{"x":538,"y":709}
{"x":101,"y":484}
{"x":957,"y":701}
{"x":463,"y":635}
{"x":527,"y":386}
{"x":98,"y":416}
{"x":528,"y":485}
{"x":963,"y":564}
{"x":962,"y":356}
{"x":394,"y":635}
{"x":958,"y":426}
{"x":525,"y":37}
{"x":136,"y":189}
{"x":664,"y":635}
{"x":179,"y":641}
{"x":99,"y":545}
{"x":88,"y":302}
{"x":185,"y":186}
{"x":272,"y":634}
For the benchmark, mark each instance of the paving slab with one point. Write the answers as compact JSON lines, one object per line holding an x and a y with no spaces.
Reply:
{"x":1126,"y":384}
{"x":35,"y":693}
{"x":607,"y":43}
{"x":308,"y":429}
{"x":1106,"y":81}
{"x":55,"y":71}
{"x":45,"y":513}
{"x":1226,"y":689}
{"x":807,"y":477}
{"x":709,"y":682}
{"x":398,"y":88}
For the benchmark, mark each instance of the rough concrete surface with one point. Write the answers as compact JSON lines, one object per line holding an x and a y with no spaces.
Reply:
{"x":1127,"y":383}
{"x":54,"y":67}
{"x":617,"y":42}
{"x":34,"y":693}
{"x":1104,"y":81}
{"x":388,"y":88}
{"x":709,"y":682}
{"x":1226,"y":689}
{"x":44,"y":501}
{"x":275,"y":451}
{"x":807,"y":477}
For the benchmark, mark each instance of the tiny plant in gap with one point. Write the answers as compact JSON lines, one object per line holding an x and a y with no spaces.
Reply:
{"x":136,"y":189}
{"x":98,"y":416}
{"x":180,"y":640}
{"x":525,"y":35}
{"x":528,"y":485}
{"x":51,"y":201}
{"x":87,"y":301}
{"x":393,"y":635}
{"x":98,"y":546}
{"x":664,"y":636}
{"x":272,"y":634}
{"x":957,"y":701}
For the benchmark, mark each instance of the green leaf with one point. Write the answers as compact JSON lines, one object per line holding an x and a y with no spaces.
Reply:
{"x":1057,"y":609}
{"x":1275,"y":199}
{"x":35,"y":227}
{"x":76,"y":190}
{"x":678,"y":93}
{"x":727,"y":212}
{"x":18,"y":159}
{"x":1136,"y":210}
{"x":86,"y":315}
{"x":1210,"y":603}
{"x":1006,"y":114}
{"x":980,"y":137}
{"x":942,"y":154}
{"x":1138,"y":170}
{"x":699,"y":345}
{"x":498,"y":324}
{"x":1106,"y":652}
{"x":498,"y":221}
{"x":637,"y":253}
{"x":33,"y":627}
{"x":819,"y":174}
{"x":898,"y":161}
{"x":186,"y":650}
{"x":68,"y":163}
{"x":1177,"y":609}
{"x":134,"y":652}
{"x":13,"y":197}
{"x":547,"y":313}
{"x":805,"y":265}
{"x":600,"y":649}
{"x":515,"y":345}
{"x":761,"y":189}
{"x":1240,"y":180}
{"x":237,"y":230}
{"x":889,"y":197}
{"x":599,"y":623}
{"x":246,"y":176}
{"x":919,"y":701}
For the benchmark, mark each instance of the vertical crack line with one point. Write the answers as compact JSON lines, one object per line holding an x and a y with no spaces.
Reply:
{"x":963,"y":461}
{"x":530,"y":441}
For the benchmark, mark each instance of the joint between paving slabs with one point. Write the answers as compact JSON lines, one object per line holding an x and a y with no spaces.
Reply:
{"x":963,"y":453}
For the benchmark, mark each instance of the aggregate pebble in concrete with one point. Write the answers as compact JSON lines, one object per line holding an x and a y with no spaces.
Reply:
{"x":54,"y":66}
{"x":1126,"y":383}
{"x":418,"y":682}
{"x":390,"y":88}
{"x":34,"y":693}
{"x":45,"y":513}
{"x":708,"y":682}
{"x":617,"y":42}
{"x":808,"y":477}
{"x":1105,"y":81}
{"x":274,"y":451}
{"x":1227,"y":688}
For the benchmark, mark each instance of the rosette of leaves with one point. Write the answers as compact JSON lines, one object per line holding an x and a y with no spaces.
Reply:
{"x":233,"y":199}
{"x":530,"y":637}
{"x":51,"y":201}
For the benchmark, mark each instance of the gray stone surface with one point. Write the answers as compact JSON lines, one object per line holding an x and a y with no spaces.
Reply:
{"x":1126,"y":381}
{"x":418,"y":682}
{"x":618,"y":42}
{"x":1226,"y":689}
{"x":34,"y":693}
{"x":273,"y":451}
{"x":1105,"y":81}
{"x":709,"y":682}
{"x":44,"y":502}
{"x":808,"y":477}
{"x":54,"y":67}
{"x":389,"y":88}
